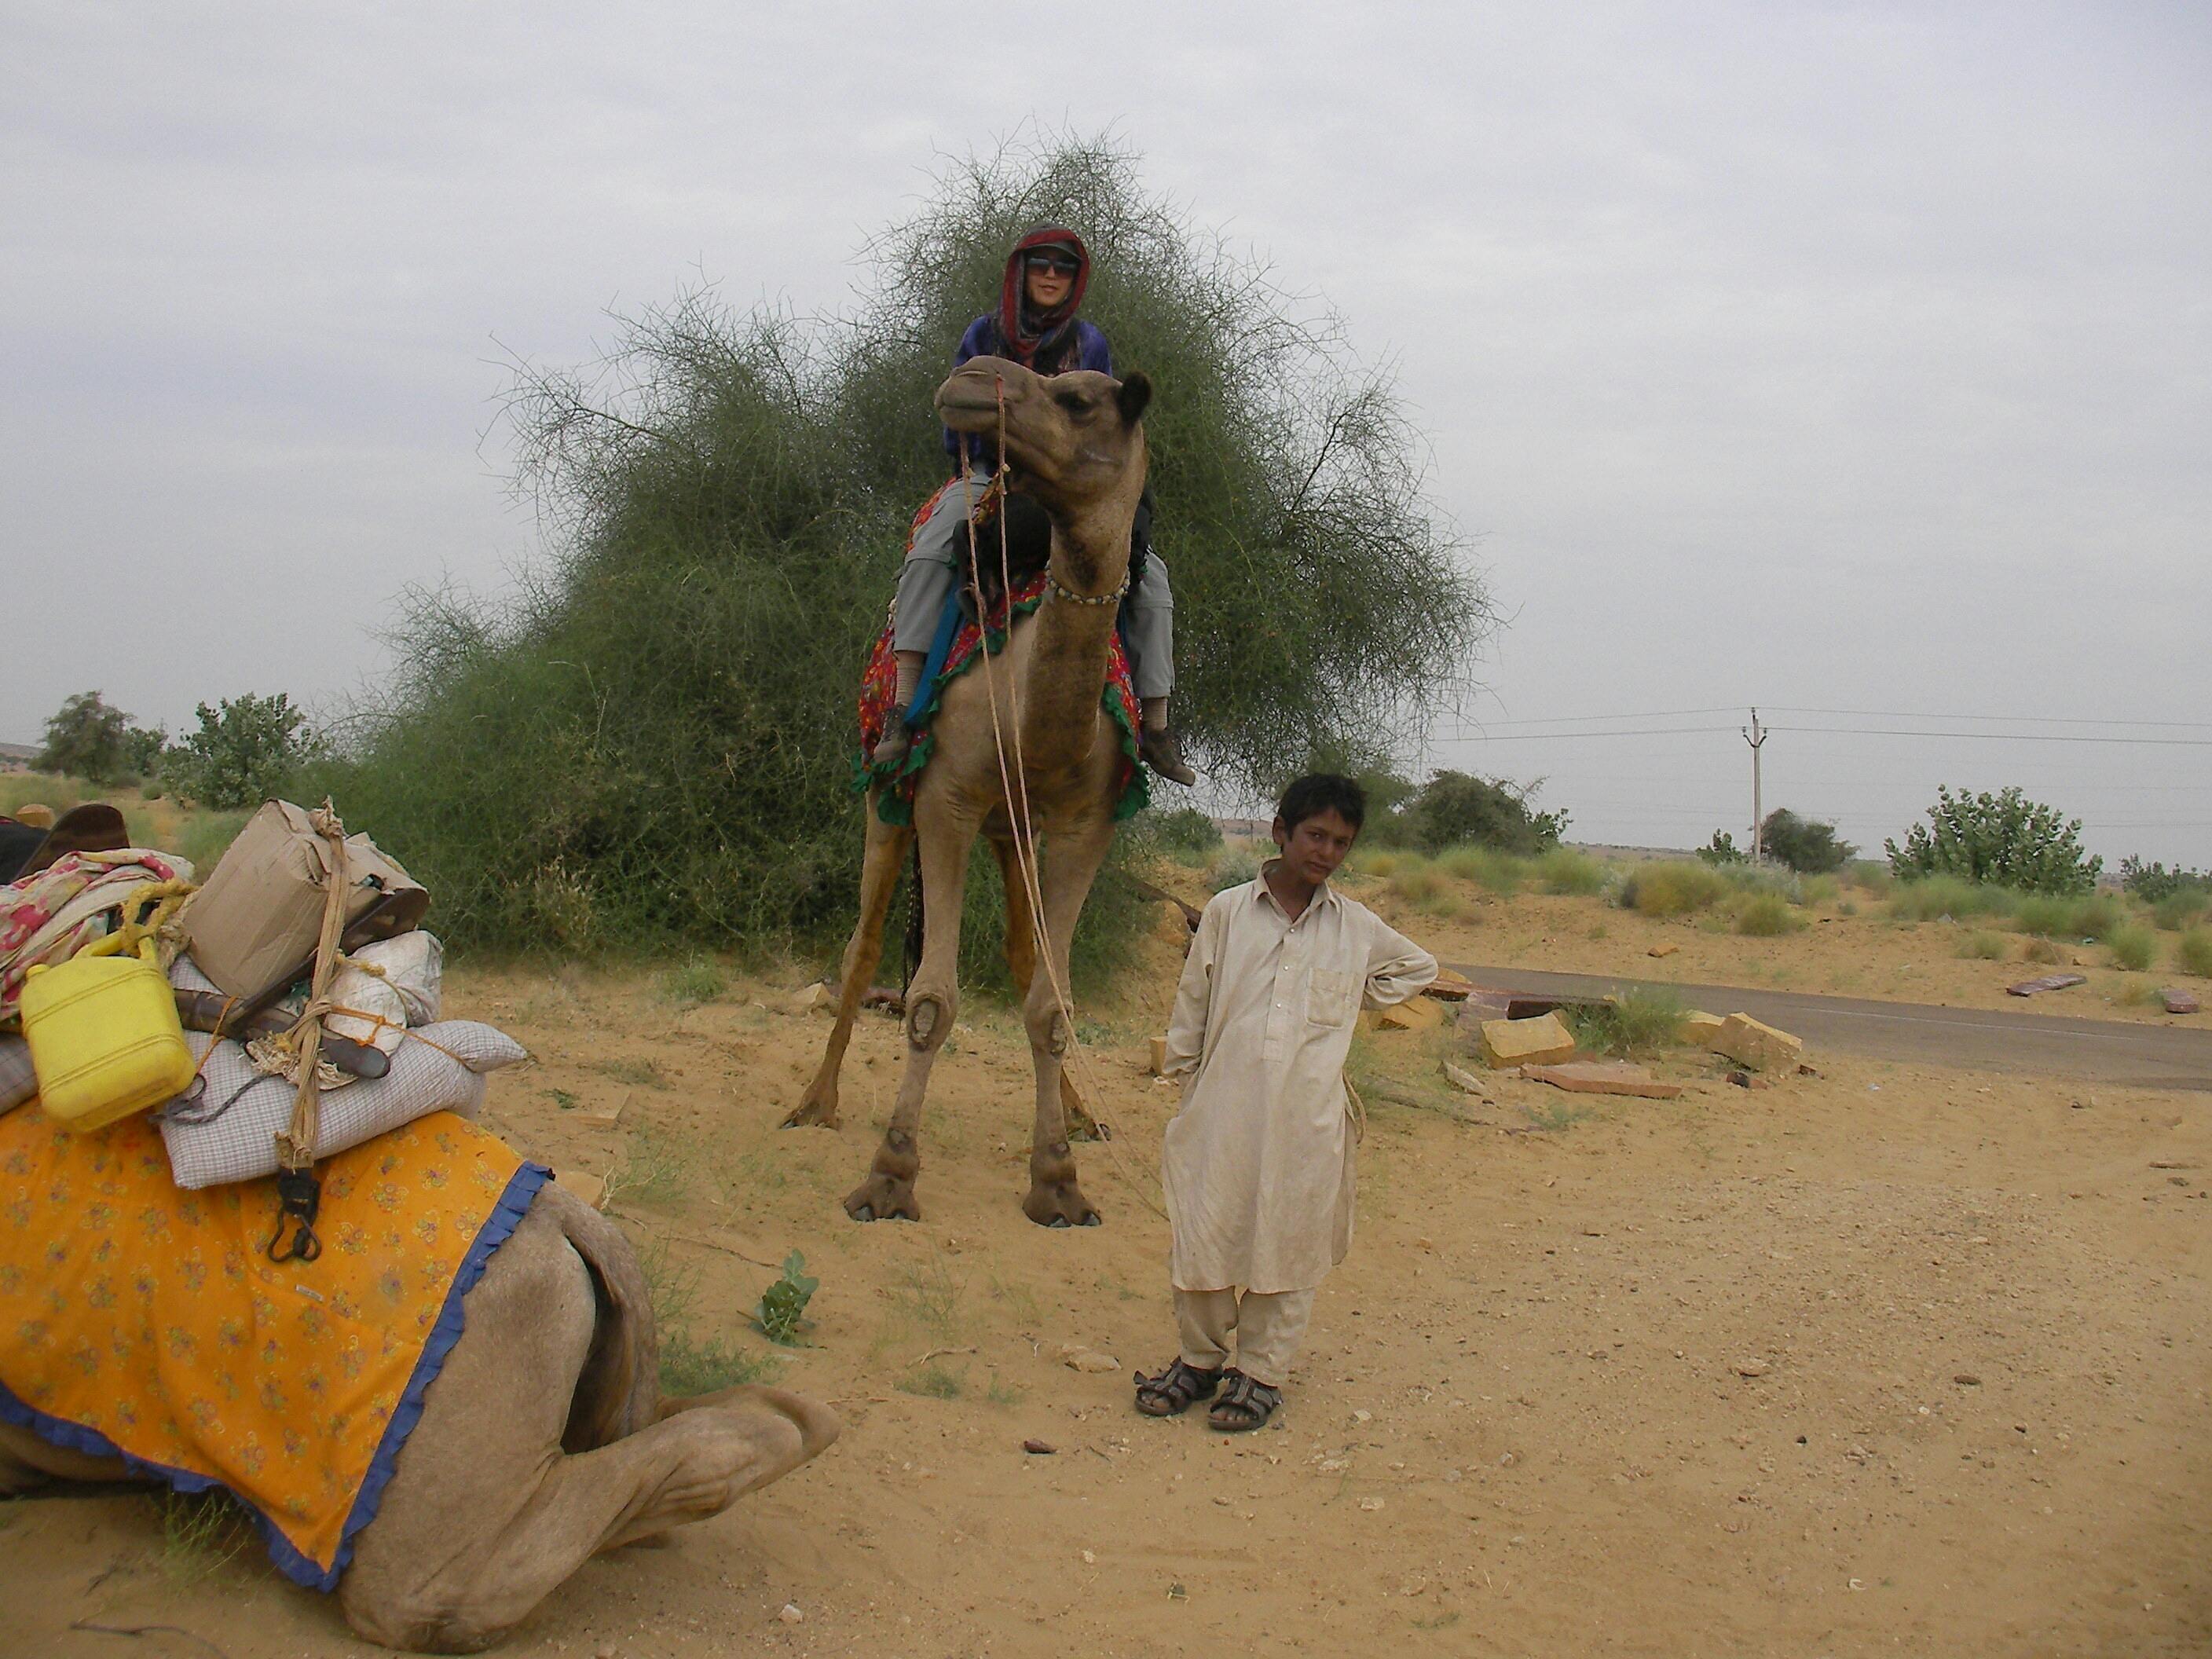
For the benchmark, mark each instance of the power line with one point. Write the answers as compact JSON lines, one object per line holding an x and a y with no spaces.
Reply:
{"x":1999,"y":737}
{"x":2017,"y":719}
{"x":1647,"y":732}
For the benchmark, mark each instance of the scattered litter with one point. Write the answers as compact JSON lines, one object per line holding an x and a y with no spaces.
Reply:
{"x":791,"y":1615}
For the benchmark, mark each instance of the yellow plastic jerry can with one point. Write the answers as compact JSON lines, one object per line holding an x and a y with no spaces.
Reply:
{"x":104,"y":1036}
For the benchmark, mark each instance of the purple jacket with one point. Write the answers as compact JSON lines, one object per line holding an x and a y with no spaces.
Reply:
{"x":983,"y":339}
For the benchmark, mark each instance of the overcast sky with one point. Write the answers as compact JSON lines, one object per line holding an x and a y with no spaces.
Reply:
{"x":1830,"y":357}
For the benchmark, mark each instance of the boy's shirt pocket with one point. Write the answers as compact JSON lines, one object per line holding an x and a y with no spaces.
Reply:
{"x":1333,"y":997}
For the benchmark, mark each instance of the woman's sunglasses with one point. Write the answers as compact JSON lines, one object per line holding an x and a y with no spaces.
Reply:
{"x":1066,"y":265}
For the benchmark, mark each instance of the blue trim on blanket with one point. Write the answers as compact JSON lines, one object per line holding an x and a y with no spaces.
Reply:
{"x":521,"y":1191}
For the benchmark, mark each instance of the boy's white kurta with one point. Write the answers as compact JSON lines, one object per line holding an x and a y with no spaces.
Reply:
{"x":1258,"y":1163}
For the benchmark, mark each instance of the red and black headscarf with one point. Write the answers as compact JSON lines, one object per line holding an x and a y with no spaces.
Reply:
{"x":1034,"y":340}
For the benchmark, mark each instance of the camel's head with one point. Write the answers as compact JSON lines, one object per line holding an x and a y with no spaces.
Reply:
{"x":1075,"y":441}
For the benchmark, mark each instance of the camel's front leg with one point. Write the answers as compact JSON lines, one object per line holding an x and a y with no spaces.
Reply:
{"x":947,"y":837}
{"x":1021,"y":965}
{"x":1067,"y":864}
{"x":879,"y":874}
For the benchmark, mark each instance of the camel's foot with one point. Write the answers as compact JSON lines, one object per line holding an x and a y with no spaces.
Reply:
{"x":1060,"y":1204}
{"x":883,"y":1197}
{"x":817,"y":1109}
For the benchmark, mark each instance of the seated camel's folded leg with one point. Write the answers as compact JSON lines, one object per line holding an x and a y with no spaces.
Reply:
{"x":485,"y":1514}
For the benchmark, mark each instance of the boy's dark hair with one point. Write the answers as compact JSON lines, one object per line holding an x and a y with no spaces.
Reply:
{"x":1321,"y":791}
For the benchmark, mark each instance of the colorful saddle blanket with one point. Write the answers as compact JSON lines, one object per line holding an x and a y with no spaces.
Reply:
{"x":895,"y":781}
{"x":141,"y":1320}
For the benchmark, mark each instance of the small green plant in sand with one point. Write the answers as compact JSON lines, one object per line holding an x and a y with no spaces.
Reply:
{"x":1556,"y":1119}
{"x":1637,"y":1022}
{"x":2042,"y":950}
{"x":202,"y":1533}
{"x":692,"y":983}
{"x":933,"y":1382}
{"x":654,"y":1170}
{"x":641,"y":1074}
{"x":781,"y":1314}
{"x":690,"y":1366}
{"x":1982,"y":946}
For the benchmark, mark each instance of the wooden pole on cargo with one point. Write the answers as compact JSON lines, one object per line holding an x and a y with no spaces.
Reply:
{"x":1755,"y":735}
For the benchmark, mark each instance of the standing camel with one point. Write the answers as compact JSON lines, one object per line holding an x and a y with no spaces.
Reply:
{"x":1076,"y":444}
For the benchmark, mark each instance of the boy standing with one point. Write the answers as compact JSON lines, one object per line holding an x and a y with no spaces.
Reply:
{"x":1259,"y":1159}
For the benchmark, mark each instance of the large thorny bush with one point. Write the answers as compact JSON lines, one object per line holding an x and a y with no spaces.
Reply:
{"x":2004,"y":838}
{"x":652,"y":739}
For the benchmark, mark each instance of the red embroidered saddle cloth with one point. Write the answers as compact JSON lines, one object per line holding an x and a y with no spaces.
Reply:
{"x":895,"y":781}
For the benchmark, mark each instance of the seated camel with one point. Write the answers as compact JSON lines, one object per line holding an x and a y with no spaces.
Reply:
{"x":543,"y":1442}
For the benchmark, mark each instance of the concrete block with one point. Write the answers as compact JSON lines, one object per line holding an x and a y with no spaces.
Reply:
{"x":1762,"y":1048}
{"x":1544,"y":1041}
{"x":1418,"y":1014}
{"x":1701,"y":1028}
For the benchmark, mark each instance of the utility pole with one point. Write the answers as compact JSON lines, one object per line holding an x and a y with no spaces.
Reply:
{"x":1755,"y":735}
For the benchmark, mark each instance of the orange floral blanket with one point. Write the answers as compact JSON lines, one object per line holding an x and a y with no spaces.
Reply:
{"x":141,"y":1320}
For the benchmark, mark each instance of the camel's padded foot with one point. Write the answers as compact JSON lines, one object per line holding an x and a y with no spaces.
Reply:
{"x":883,"y":1198}
{"x":817,"y":1110}
{"x":1061,"y":1204}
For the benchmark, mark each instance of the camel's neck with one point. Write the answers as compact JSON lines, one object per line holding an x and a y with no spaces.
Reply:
{"x":1072,"y":640}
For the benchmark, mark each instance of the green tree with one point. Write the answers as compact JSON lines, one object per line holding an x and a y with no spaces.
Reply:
{"x":87,"y":738}
{"x":1806,"y":846}
{"x":1723,"y":849}
{"x":1455,"y":809}
{"x":242,"y":753}
{"x":2004,"y":838}
{"x":655,"y":737}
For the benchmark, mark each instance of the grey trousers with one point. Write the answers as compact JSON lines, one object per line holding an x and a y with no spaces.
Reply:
{"x":932,"y":570}
{"x":1269,"y":1328}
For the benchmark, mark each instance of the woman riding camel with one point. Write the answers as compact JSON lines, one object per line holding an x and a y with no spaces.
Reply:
{"x":1035,"y":326}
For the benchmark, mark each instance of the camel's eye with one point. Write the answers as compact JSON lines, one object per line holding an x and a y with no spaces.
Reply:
{"x":1073,"y":402}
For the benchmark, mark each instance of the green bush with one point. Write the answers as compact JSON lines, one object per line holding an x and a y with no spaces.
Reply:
{"x":1455,"y":809}
{"x":1805,"y":845}
{"x":1185,"y":829}
{"x":1567,"y":872}
{"x":1933,"y":898}
{"x":2004,"y":838}
{"x":1672,"y":888}
{"x":2152,"y":883}
{"x":243,"y":753}
{"x":2044,"y":917}
{"x":88,"y":738}
{"x":1764,"y":915}
{"x":652,"y":740}
{"x":2132,"y":947}
{"x":1870,"y":876}
{"x":2192,"y":952}
{"x":1723,"y":849}
{"x":1232,"y":869}
{"x":1980,"y":947}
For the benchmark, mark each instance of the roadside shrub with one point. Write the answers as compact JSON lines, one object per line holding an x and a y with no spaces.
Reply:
{"x":1670,"y":888}
{"x":2153,"y":882}
{"x":1723,"y":849}
{"x":1456,"y":809}
{"x":1379,"y":861}
{"x":1818,"y":889}
{"x":2097,"y":916}
{"x":1486,"y":867}
{"x":1932,"y":898}
{"x":1979,"y":946}
{"x":2132,"y":947}
{"x":1232,"y":869}
{"x":1870,"y":876}
{"x":1637,"y":1022}
{"x":2192,"y":952}
{"x":244,"y":751}
{"x":1416,"y":880}
{"x":1564,"y":871}
{"x":2177,"y":911}
{"x":1764,"y":915}
{"x":1806,"y":845}
{"x":2004,"y":838}
{"x":2047,"y":917}
{"x":2041,"y":950}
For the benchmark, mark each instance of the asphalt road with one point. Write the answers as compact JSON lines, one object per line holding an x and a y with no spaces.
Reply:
{"x":2044,"y":1045}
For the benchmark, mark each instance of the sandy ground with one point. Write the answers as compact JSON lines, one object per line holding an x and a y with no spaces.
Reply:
{"x":1884,"y":1360}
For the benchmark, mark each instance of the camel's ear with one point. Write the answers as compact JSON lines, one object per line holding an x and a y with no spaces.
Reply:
{"x":1134,"y":396}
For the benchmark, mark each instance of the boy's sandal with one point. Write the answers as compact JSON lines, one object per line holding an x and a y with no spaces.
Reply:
{"x":1174,"y":1390}
{"x":1244,"y":1405}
